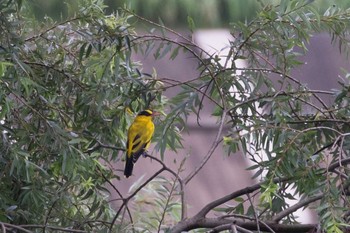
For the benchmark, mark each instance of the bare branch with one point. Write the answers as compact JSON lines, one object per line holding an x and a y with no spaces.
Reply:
{"x":23,"y":228}
{"x":197,"y":220}
{"x":203,"y":212}
{"x":12,"y":226}
{"x":248,"y":225}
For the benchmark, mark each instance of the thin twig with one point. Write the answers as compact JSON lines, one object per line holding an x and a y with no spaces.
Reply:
{"x":48,"y":214}
{"x":166,"y":204}
{"x":177,"y":176}
{"x":211,"y":150}
{"x":255,"y":213}
{"x":120,"y":195}
{"x":33,"y":37}
{"x":100,"y":145}
{"x":126,"y":200}
{"x":164,"y":168}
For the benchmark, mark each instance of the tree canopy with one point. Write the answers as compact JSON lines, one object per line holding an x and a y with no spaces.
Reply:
{"x":70,"y":89}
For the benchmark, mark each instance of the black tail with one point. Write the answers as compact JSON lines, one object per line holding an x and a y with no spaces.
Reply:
{"x":129,"y":165}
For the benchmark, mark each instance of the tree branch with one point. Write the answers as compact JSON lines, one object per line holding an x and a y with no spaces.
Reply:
{"x":295,"y":207}
{"x":203,"y":212}
{"x":23,"y":228}
{"x":248,"y":225}
{"x":232,"y":227}
{"x":199,"y":220}
{"x":5,"y":226}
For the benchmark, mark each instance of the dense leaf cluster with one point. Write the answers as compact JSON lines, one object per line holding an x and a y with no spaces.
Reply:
{"x":68,"y":92}
{"x":65,"y":89}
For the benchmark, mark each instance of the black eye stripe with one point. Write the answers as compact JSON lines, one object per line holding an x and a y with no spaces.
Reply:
{"x":145,"y":113}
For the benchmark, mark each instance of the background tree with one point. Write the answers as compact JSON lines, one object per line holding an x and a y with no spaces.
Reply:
{"x":67,"y":88}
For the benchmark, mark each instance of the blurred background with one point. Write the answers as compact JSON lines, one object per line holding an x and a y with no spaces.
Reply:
{"x":212,"y":18}
{"x":206,"y":13}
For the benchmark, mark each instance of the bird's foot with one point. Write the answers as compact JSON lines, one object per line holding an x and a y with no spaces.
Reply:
{"x":145,"y":154}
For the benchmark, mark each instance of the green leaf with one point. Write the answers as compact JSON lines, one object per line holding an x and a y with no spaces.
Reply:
{"x":82,"y":51}
{"x":191,"y":24}
{"x":175,"y":53}
{"x":88,"y":51}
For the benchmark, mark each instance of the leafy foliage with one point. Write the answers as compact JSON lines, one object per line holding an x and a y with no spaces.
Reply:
{"x":64,"y":89}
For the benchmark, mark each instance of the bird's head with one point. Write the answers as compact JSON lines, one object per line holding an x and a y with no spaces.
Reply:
{"x":148,"y":113}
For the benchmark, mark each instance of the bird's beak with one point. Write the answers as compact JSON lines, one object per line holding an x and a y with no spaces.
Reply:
{"x":155,"y":113}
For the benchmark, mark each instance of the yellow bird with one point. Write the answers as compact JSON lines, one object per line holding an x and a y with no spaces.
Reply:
{"x":139,"y":138}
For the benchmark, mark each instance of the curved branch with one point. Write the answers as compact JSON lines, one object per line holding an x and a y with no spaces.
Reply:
{"x":197,"y":220}
{"x":203,"y":212}
{"x":295,"y":207}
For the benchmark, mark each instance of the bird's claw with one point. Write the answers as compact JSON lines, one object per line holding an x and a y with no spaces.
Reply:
{"x":145,"y":154}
